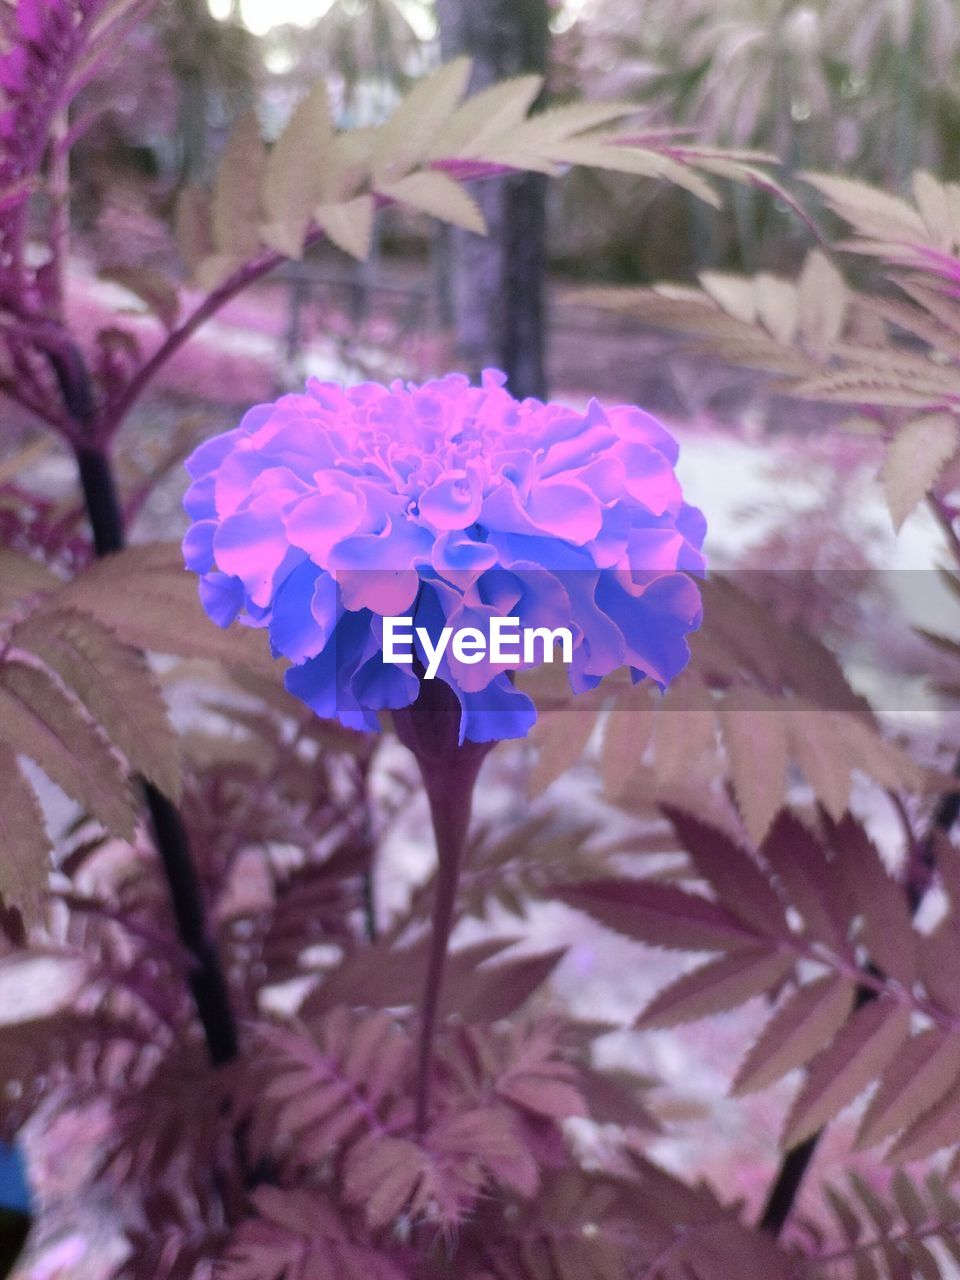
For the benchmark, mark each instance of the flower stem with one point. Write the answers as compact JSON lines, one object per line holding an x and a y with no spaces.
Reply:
{"x":430,"y":728}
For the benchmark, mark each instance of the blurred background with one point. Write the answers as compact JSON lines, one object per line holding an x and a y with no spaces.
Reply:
{"x":869,"y":88}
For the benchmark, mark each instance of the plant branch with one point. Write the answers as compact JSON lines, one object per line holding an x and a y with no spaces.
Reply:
{"x":786,"y":1185}
{"x":207,"y":980}
{"x":235,"y":284}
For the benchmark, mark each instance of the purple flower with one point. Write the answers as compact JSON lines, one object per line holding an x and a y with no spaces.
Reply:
{"x":449,"y":504}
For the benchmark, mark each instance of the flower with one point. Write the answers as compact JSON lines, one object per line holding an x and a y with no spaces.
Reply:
{"x":448,"y":503}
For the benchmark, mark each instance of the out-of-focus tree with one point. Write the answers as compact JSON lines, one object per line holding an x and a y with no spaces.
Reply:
{"x":212,"y":63}
{"x":869,"y":85}
{"x":497,"y":281}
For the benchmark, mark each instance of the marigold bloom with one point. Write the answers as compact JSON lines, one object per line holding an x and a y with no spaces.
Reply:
{"x":325,"y":512}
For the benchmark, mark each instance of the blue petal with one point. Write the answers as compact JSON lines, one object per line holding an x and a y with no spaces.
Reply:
{"x":496,"y":712}
{"x":198,"y":546}
{"x":294,"y":630}
{"x":221,"y":597}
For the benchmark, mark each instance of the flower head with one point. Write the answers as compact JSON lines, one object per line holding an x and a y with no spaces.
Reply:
{"x":451,"y":504}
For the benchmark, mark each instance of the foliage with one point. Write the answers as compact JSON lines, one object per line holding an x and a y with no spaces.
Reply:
{"x":727,"y":819}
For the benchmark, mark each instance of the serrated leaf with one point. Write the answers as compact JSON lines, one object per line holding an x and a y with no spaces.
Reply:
{"x":936,"y":1128}
{"x":434,"y":193}
{"x":613,"y":1097}
{"x":560,"y":738}
{"x":349,"y":224}
{"x":915,"y":459}
{"x":872,"y":212}
{"x":939,"y":958}
{"x":908,"y":1198}
{"x":821,"y":754}
{"x":114,"y":683}
{"x":601,"y":153}
{"x":626,"y":735}
{"x":152,"y":287}
{"x":735,"y":294}
{"x":755,"y":737}
{"x":381,"y":1174}
{"x":849,"y":1223}
{"x":485,"y":116}
{"x":934,"y":206}
{"x":716,"y":987}
{"x":800,"y":1028}
{"x":147,"y":598}
{"x":685,"y":729}
{"x":658,"y":914}
{"x":550,"y":130}
{"x":813,"y":885}
{"x":44,"y":723}
{"x":922,"y":1072}
{"x":821,"y":303}
{"x":388,"y":976}
{"x":236,"y":212}
{"x":887,"y":925}
{"x":861,"y":1049}
{"x":301,"y":172}
{"x":776,"y":301}
{"x":215,"y":269}
{"x":24,"y":847}
{"x":406,"y":138}
{"x":21,"y":576}
{"x":738,"y":882}
{"x":496,"y":991}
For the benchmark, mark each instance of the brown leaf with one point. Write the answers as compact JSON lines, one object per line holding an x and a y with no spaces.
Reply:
{"x":145,"y":596}
{"x":24,"y":847}
{"x":821,"y":754}
{"x":407,"y":137}
{"x":381,"y":1175}
{"x":386,"y":976}
{"x":940,"y":965}
{"x":862,"y":1048}
{"x":43,"y":722}
{"x":776,"y":300}
{"x":872,"y":212}
{"x":546,"y":1096}
{"x":813,"y":885}
{"x":735,"y":294}
{"x":626,"y":734}
{"x":560,"y":737}
{"x":109,"y":678}
{"x":485,"y":117}
{"x":887,"y":925}
{"x":733,"y":875}
{"x":658,"y":914}
{"x":822,"y":303}
{"x":301,"y":172}
{"x":922,"y":1072}
{"x":936,"y":1128}
{"x":919,"y":452}
{"x":715,"y":987}
{"x":349,"y":224}
{"x":22,"y":576}
{"x":152,"y":287}
{"x":434,"y":193}
{"x":754,"y":734}
{"x":685,"y":729}
{"x":236,"y":213}
{"x":804,"y":1023}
